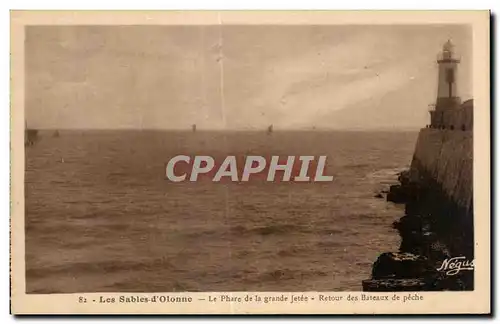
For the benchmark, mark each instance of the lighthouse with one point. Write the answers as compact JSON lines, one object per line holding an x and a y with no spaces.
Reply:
{"x":447,"y":77}
{"x":447,"y":97}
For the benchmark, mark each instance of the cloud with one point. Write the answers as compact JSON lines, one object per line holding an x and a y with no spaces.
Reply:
{"x":302,"y":88}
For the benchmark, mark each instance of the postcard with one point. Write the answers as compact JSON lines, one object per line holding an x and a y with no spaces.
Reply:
{"x":250,"y":162}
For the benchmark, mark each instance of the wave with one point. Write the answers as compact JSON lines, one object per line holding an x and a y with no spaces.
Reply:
{"x":105,"y":267}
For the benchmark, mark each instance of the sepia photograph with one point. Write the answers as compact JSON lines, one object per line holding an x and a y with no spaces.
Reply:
{"x":264,"y":158}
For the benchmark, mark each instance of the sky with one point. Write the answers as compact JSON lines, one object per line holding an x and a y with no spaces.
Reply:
{"x":237,"y":77}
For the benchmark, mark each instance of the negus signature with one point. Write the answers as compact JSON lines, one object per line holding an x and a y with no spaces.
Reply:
{"x":455,"y":265}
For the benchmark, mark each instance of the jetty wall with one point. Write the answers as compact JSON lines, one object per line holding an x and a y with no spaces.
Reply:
{"x":444,"y":158}
{"x":437,"y":191}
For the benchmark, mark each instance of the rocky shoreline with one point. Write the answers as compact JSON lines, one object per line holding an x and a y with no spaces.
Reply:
{"x":436,"y":248}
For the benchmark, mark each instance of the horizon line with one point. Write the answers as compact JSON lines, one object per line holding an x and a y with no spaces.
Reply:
{"x":264,"y":130}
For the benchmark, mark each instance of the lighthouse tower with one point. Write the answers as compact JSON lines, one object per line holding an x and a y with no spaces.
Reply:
{"x":447,"y":79}
{"x":447,"y":97}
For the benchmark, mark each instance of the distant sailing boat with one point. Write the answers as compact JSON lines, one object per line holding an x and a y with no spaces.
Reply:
{"x":270,"y":129}
{"x":194,"y":128}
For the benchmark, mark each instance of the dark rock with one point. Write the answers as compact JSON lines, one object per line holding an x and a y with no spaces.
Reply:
{"x":412,"y":244}
{"x":434,"y":229}
{"x":417,"y":237}
{"x":401,"y":265}
{"x":408,"y":224}
{"x":430,"y":283}
{"x":397,"y":194}
{"x":379,"y":195}
{"x":415,"y":284}
{"x":442,"y":282}
{"x":394,"y":188}
{"x":437,"y":250}
{"x":404,"y":177}
{"x":406,"y":191}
